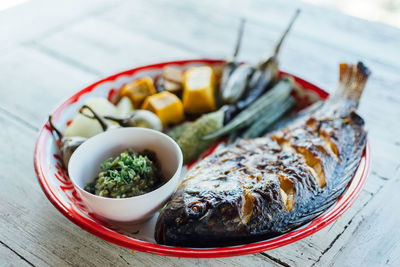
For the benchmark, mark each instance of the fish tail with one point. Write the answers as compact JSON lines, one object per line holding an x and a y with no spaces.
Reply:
{"x":352,"y":80}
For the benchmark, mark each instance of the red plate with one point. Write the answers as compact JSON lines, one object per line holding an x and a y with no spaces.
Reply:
{"x":59,"y":190}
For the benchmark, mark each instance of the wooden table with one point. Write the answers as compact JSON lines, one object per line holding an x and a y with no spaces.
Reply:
{"x":51,"y":49}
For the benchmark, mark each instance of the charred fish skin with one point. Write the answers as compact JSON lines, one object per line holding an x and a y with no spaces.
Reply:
{"x":259,"y":188}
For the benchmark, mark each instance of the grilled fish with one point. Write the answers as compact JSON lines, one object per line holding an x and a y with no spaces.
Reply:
{"x":259,"y":188}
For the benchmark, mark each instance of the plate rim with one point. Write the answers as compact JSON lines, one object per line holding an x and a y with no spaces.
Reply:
{"x":145,"y":246}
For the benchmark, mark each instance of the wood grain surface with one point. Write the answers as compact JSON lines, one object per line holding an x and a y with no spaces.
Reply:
{"x":51,"y":49}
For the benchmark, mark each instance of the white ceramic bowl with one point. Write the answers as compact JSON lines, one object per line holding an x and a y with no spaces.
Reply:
{"x":84,"y":165}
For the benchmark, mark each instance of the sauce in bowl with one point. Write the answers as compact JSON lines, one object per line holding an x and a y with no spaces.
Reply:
{"x":127,"y":175}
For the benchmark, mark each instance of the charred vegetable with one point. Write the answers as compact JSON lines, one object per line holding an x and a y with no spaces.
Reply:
{"x":67,"y":145}
{"x":124,"y":107}
{"x":167,"y":106}
{"x":139,"y":118}
{"x":198,"y":90}
{"x":178,"y":130}
{"x":100,"y":119}
{"x":237,"y":84}
{"x":85,"y":127}
{"x":268,"y":117}
{"x":231,"y":65}
{"x":138,"y":90}
{"x":172,"y":79}
{"x":264,"y":76}
{"x":278,"y":93}
{"x":189,"y":136}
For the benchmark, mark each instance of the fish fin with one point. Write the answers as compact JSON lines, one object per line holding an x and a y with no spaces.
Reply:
{"x":352,"y":80}
{"x":322,"y":202}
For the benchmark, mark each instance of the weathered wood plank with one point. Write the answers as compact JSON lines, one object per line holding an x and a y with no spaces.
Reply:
{"x":372,"y":238}
{"x":108,"y":48}
{"x":34,"y":18}
{"x":201,"y":24}
{"x":9,"y":258}
{"x":40,"y":234}
{"x":33,"y":83}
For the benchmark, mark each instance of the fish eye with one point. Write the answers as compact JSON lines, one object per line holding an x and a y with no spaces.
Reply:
{"x":196,"y":208}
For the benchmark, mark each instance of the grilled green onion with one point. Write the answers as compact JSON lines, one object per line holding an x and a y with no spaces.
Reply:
{"x":268,"y":117}
{"x":279,"y":92}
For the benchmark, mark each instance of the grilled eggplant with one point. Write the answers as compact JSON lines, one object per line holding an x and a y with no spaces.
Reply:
{"x":257,"y":81}
{"x":258,"y":188}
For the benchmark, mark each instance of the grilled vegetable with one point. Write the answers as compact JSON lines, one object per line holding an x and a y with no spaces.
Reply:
{"x":100,"y":119}
{"x":178,"y":130}
{"x":191,"y":140}
{"x":139,"y":118}
{"x":236,"y":84}
{"x":124,"y":107}
{"x":231,"y":65}
{"x":171,"y":80}
{"x":138,"y":90}
{"x":260,"y":188}
{"x":67,"y":144}
{"x":172,"y":87}
{"x":167,"y":106}
{"x":198,"y":90}
{"x":173,"y":74}
{"x":264,"y":77}
{"x":85,"y":127}
{"x":268,"y":117}
{"x":248,"y":116}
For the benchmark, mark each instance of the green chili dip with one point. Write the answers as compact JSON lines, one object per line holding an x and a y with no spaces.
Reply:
{"x":129,"y":174}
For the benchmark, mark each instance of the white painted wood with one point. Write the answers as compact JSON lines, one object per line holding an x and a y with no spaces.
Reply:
{"x":201,"y":24}
{"x":32,"y":83}
{"x":372,"y":238}
{"x":9,"y":258}
{"x":31,"y":19}
{"x":108,"y":48}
